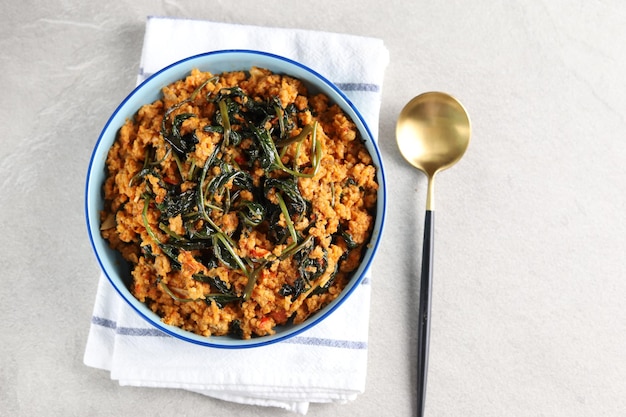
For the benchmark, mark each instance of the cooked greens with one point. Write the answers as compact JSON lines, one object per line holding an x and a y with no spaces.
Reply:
{"x":252,"y":134}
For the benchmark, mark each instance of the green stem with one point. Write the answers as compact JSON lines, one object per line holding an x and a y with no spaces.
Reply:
{"x":252,"y":279}
{"x":144,"y":216}
{"x":225,"y":122}
{"x":165,"y":228}
{"x":290,"y":225}
{"x":316,"y":152}
{"x":226,"y":241}
{"x":174,"y":296}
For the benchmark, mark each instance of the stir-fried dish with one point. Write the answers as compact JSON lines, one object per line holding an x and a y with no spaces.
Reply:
{"x":240,"y":201}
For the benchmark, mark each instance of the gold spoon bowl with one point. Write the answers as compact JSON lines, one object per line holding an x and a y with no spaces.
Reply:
{"x":433,"y":132}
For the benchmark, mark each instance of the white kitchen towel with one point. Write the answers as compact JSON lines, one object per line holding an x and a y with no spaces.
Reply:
{"x":327,"y":363}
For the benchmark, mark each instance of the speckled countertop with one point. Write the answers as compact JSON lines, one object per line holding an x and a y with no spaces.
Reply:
{"x":529,"y":317}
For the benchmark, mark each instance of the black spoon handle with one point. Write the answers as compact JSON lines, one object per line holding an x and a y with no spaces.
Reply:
{"x":423,"y":324}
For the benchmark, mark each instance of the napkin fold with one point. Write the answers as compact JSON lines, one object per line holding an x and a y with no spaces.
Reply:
{"x":327,"y":363}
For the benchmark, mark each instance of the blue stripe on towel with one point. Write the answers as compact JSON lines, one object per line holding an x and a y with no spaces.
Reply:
{"x":126,"y":331}
{"x":317,"y":341}
{"x":298,"y":340}
{"x":374,"y":88}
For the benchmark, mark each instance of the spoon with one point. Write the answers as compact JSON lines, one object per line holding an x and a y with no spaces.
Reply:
{"x":433,"y":132}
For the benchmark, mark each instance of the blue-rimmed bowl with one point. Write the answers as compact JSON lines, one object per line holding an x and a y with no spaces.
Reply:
{"x":115,"y":267}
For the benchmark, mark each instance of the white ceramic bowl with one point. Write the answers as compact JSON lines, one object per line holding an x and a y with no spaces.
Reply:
{"x":113,"y":265}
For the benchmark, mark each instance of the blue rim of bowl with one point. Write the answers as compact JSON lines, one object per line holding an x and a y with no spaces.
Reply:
{"x":227,"y":342}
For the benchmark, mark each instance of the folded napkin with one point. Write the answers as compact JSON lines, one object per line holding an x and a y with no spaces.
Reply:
{"x":324,"y":364}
